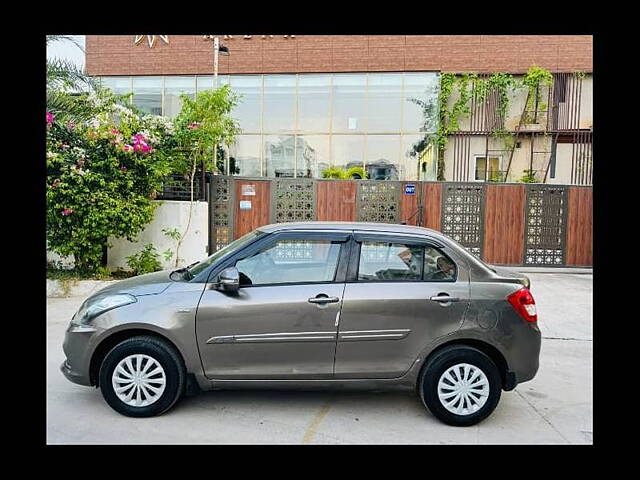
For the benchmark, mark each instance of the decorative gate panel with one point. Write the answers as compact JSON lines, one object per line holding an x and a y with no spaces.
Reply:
{"x":463,"y":214}
{"x":378,"y":201}
{"x":293,"y":200}
{"x":545,"y":230}
{"x":222,"y":225}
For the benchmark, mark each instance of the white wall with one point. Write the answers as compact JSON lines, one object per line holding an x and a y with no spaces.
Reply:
{"x":169,"y":215}
{"x":63,"y":262}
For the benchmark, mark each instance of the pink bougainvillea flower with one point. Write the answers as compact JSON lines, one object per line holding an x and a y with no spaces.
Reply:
{"x":50,"y":118}
{"x":127,"y":148}
{"x":139,"y":138}
{"x":67,"y":211}
{"x":115,"y":131}
{"x":193,"y":125}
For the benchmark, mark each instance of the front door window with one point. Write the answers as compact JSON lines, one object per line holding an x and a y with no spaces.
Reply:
{"x":291,"y":261}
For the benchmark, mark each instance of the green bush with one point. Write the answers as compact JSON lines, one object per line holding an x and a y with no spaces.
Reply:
{"x":529,"y":176}
{"x":356,"y":173}
{"x":145,"y":261}
{"x":342,"y":174}
{"x":102,"y":176}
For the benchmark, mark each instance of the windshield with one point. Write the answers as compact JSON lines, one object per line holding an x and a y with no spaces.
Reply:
{"x":238,"y":243}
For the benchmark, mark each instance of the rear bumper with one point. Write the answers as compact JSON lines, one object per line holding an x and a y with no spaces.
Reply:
{"x":524,"y":359}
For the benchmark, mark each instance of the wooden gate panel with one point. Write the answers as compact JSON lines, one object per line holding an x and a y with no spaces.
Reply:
{"x":409,"y":204}
{"x":246,"y":220}
{"x":580,"y":227}
{"x":336,"y":201}
{"x":432,"y":203}
{"x":504,"y":224}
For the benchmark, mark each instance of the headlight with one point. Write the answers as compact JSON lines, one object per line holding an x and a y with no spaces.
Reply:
{"x":93,"y":307}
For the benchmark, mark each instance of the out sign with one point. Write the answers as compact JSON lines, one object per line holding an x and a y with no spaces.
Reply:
{"x":410,"y":189}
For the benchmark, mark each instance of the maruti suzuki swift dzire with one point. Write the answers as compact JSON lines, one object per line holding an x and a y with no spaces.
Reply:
{"x":316,"y":305}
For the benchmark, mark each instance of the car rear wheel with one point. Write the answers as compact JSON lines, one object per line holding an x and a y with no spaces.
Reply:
{"x":460,"y":385}
{"x":142,"y":376}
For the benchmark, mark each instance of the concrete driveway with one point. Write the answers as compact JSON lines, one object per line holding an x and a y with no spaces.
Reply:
{"x":555,"y":407}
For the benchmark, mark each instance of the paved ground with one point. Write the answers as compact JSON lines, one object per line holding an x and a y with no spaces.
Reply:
{"x":556,"y":407}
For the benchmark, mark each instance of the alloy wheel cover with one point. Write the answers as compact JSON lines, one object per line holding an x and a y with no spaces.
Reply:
{"x":463,"y":389}
{"x":138,"y":380}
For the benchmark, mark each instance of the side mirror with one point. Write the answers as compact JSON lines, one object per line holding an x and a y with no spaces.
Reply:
{"x":229,"y":280}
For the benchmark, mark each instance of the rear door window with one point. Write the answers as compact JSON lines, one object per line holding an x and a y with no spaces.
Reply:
{"x":438,"y":267}
{"x":384,"y":261}
{"x":397,"y":261}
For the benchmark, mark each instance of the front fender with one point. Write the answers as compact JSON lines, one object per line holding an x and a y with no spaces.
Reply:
{"x":171,"y":314}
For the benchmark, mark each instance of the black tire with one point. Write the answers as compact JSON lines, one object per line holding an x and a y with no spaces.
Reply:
{"x":162,"y":352}
{"x":443,"y":360}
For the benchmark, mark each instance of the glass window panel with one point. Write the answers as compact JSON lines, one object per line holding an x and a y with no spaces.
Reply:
{"x":224,"y":80}
{"x":291,"y":261}
{"x":438,"y":267}
{"x":147,"y":94}
{"x":380,"y":261}
{"x":312,"y":155}
{"x":204,"y":82}
{"x":313,"y":103}
{"x":417,"y":158}
{"x":347,"y":151}
{"x":489,"y":172}
{"x":118,"y":85}
{"x":349,"y":96}
{"x":249,"y":109}
{"x":383,"y":158}
{"x":173,"y":88}
{"x":423,"y":116}
{"x":384,"y":102}
{"x":480,"y":168}
{"x":279,"y":156}
{"x":244,"y":156}
{"x":279,"y":103}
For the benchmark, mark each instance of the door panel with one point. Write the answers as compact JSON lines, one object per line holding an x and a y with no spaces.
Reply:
{"x":384,"y":326}
{"x":271,"y":332}
{"x":281,"y":324}
{"x":388,"y":315}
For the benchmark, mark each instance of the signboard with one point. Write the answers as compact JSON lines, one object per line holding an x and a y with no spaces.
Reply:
{"x":410,"y":189}
{"x":248,"y":190}
{"x":245,"y":204}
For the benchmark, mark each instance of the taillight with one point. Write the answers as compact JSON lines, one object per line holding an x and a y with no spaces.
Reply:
{"x":524,"y":304}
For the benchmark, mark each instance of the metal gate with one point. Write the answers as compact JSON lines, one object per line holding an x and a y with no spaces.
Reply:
{"x":462,"y":214}
{"x":545,"y":225}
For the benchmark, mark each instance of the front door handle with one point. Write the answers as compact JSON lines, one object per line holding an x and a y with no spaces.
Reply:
{"x":322,"y":300}
{"x":444,"y":299}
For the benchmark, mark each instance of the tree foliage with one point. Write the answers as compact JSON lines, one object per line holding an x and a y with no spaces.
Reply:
{"x":102,"y":176}
{"x":68,"y":87}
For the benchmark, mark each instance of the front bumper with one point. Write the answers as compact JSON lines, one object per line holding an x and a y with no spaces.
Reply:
{"x":72,"y":376}
{"x":78,"y":345}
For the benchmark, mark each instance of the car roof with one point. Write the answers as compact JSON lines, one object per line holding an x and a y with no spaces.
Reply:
{"x":348,"y":226}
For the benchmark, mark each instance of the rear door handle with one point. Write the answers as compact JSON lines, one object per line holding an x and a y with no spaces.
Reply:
{"x":444,"y":299}
{"x":322,"y":300}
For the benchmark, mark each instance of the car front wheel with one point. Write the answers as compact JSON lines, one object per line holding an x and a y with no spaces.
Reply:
{"x":460,"y":385}
{"x":142,"y":376}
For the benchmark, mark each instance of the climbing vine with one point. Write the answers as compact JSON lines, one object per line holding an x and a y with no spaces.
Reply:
{"x":502,"y":84}
{"x":536,"y":77}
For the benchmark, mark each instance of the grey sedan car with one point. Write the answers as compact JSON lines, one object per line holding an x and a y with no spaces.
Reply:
{"x":315,"y":305}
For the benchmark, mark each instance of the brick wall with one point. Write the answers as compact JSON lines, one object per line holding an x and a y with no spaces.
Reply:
{"x":190,"y":54}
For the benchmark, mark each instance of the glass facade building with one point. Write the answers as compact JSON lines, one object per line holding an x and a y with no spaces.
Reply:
{"x":297,"y":125}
